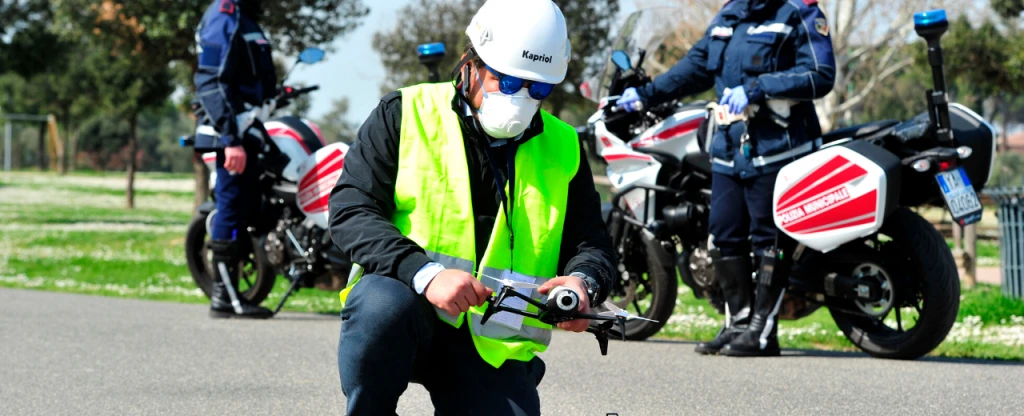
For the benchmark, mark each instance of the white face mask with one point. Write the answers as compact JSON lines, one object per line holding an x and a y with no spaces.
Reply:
{"x":506,"y":116}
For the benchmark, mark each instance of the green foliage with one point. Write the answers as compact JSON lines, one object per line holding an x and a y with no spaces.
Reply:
{"x":1008,"y":8}
{"x":424,"y":21}
{"x":1008,"y":170}
{"x":445,"y":21}
{"x":334,"y":126}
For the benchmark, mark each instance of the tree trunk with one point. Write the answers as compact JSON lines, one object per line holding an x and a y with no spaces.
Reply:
{"x":202,"y":188}
{"x":69,"y":152}
{"x":42,"y":147}
{"x":1006,"y":123}
{"x":132,"y":148}
{"x":202,"y":191}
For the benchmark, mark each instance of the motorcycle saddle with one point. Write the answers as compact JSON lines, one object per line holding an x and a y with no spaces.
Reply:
{"x":858,"y":131}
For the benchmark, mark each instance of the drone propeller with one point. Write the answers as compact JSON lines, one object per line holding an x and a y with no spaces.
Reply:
{"x":614,"y":310}
{"x":512,"y":283}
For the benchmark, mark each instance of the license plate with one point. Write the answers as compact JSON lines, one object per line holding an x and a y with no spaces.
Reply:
{"x":960,"y":197}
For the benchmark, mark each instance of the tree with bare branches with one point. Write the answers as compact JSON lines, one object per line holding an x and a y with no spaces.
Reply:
{"x":870,"y":38}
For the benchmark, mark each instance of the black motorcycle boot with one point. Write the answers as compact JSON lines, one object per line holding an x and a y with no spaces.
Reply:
{"x":225,"y":300}
{"x":733,"y":277}
{"x":761,"y":337}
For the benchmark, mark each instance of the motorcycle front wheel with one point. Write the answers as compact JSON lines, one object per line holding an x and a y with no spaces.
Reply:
{"x":647,"y":288}
{"x":921,"y":291}
{"x":257,"y":277}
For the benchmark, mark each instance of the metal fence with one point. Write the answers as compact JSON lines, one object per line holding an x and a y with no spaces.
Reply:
{"x":1010,"y":212}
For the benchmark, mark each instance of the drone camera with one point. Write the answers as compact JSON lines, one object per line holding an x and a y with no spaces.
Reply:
{"x":565,"y":299}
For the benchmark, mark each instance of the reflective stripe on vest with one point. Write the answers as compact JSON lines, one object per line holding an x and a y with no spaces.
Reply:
{"x":433,"y":207}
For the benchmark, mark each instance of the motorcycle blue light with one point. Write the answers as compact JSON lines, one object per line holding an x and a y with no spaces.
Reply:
{"x":428,"y":49}
{"x":930,"y":18}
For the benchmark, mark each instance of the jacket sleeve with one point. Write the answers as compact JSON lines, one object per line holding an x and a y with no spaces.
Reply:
{"x":215,"y":74}
{"x":814,"y":73}
{"x":688,"y":77}
{"x":586,"y":245}
{"x":362,"y":202}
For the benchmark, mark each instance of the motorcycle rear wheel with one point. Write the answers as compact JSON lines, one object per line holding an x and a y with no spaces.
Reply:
{"x":257,"y":278}
{"x":924,"y":266}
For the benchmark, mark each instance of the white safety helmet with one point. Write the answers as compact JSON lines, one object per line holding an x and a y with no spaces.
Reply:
{"x":523,"y":38}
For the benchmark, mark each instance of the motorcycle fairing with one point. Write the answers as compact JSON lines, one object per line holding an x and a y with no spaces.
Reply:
{"x":319,"y":174}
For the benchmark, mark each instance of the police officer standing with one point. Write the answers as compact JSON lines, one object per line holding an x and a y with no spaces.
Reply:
{"x":236,"y":71}
{"x":767,"y":59}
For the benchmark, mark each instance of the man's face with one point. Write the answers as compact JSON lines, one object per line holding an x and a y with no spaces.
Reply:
{"x":490,"y":83}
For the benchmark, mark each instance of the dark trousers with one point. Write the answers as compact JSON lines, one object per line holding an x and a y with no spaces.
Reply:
{"x":391,"y":336}
{"x":237,"y":196}
{"x":741,"y":214}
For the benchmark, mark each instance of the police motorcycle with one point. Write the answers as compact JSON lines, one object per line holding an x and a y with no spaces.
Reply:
{"x":288,"y":231}
{"x":884,"y":273}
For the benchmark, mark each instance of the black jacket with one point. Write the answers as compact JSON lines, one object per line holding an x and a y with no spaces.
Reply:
{"x":362,"y":203}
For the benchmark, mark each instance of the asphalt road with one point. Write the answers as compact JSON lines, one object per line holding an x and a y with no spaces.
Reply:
{"x":71,"y":354}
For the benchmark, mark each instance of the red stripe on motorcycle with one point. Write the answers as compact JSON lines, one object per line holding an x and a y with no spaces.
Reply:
{"x":808,"y":181}
{"x":317,"y":196}
{"x":324,"y":167}
{"x":319,"y":134}
{"x":858,"y":207}
{"x":321,"y":201}
{"x":286,"y":131}
{"x":848,"y":175}
{"x":621,"y":156}
{"x":679,"y":130}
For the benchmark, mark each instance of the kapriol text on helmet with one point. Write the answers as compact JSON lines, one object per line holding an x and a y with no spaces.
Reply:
{"x":542,"y":58}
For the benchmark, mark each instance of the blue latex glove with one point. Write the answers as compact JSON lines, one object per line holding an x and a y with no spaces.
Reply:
{"x":736,"y":99}
{"x":630,"y":101}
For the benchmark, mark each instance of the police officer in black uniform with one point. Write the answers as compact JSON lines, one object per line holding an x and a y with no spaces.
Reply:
{"x":236,"y":73}
{"x":775,"y":55}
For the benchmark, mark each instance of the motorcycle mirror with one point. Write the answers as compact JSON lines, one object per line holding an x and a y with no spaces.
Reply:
{"x":621,"y":60}
{"x":311,"y":55}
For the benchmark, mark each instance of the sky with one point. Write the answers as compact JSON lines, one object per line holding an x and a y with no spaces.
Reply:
{"x":354,"y":70}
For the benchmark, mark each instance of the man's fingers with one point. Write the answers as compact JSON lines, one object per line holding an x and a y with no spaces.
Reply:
{"x":460,"y":303}
{"x":481,"y":292}
{"x":470,"y":298}
{"x":451,"y":309}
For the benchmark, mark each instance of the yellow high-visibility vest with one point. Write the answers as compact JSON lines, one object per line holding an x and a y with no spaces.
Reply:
{"x":434,"y":208}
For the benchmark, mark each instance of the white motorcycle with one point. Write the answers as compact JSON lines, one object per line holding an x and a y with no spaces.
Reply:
{"x":883,"y":272}
{"x":288,"y":234}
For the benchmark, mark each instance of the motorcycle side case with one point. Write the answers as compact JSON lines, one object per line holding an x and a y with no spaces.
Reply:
{"x":319,"y":174}
{"x":837,"y":194}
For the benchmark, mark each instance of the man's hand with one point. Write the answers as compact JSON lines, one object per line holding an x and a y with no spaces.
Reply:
{"x":574,"y":283}
{"x":455,"y":291}
{"x":234,"y":159}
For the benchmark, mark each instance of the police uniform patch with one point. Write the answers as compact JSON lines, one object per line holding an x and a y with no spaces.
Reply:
{"x":821,"y":25}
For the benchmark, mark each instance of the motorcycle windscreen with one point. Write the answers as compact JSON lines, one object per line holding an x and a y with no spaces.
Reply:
{"x":836,"y":195}
{"x":319,"y":174}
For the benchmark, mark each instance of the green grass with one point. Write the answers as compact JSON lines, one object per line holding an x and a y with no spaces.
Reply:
{"x":80,"y":243}
{"x":983,"y":310}
{"x":986,"y":249}
{"x":84,"y":172}
{"x":61,"y":214}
